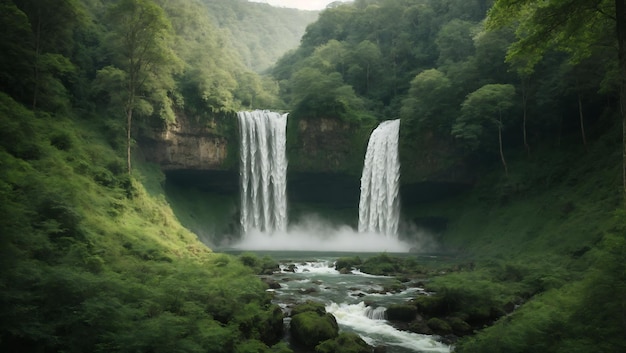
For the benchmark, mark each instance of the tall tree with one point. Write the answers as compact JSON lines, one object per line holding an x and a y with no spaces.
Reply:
{"x":427,"y":105}
{"x":482,"y":109}
{"x":52,"y":24}
{"x":574,"y":26}
{"x":142,"y":36}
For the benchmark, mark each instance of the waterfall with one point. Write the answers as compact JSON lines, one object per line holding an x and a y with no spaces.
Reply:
{"x":263,"y":171}
{"x":379,"y":205}
{"x":378,"y":313}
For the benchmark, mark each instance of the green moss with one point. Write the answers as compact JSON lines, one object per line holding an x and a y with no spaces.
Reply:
{"x":401,"y":312}
{"x":310,"y":328}
{"x":346,"y":342}
{"x":439,"y":326}
{"x":347,"y":263}
{"x":307,"y":306}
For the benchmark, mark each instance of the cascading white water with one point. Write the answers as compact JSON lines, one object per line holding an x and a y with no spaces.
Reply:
{"x":378,"y":313}
{"x":263,"y":171}
{"x":379,"y":205}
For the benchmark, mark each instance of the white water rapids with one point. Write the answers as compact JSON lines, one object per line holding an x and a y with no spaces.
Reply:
{"x":379,"y":205}
{"x":345,"y":295}
{"x":263,"y":171}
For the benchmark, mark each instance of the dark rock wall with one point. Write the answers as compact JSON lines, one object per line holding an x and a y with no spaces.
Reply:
{"x":192,"y":143}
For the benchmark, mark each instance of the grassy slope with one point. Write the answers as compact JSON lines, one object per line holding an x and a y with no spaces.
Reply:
{"x":94,"y":260}
{"x":550,"y":236}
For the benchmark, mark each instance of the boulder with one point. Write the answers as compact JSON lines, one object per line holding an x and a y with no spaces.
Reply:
{"x":310,"y":328}
{"x":401,"y":312}
{"x":346,"y":342}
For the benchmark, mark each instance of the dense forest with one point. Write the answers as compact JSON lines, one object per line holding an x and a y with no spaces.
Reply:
{"x":258,"y":32}
{"x":92,"y":258}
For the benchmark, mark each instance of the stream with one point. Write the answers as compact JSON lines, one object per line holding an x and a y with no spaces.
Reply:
{"x":357,"y":300}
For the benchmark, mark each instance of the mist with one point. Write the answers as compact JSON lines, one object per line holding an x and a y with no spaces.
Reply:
{"x":313,"y":233}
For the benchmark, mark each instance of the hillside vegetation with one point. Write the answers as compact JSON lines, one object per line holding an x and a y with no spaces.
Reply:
{"x":92,"y":258}
{"x":260,"y":33}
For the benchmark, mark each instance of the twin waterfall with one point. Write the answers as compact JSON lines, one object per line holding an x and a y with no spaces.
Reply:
{"x":263,"y":171}
{"x":379,"y":205}
{"x":263,"y":176}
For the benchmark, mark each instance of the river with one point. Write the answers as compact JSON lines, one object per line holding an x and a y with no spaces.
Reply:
{"x":357,"y":300}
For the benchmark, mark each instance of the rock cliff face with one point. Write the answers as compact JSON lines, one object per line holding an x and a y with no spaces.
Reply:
{"x":192,"y":144}
{"x":326,"y":145}
{"x":323,"y":149}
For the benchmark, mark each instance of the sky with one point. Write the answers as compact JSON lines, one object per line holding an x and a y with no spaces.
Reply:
{"x":298,"y":4}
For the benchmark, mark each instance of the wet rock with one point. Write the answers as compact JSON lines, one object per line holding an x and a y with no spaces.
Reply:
{"x":401,"y":312}
{"x":380,"y":349}
{"x":272,"y":283}
{"x":308,"y":290}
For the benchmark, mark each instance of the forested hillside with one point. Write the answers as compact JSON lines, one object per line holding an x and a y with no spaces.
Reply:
{"x":435,"y":65}
{"x":92,"y":258}
{"x":259,"y":32}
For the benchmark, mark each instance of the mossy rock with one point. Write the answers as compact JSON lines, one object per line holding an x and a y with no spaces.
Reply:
{"x":347,"y":263}
{"x":395,"y":287}
{"x":309,"y":328}
{"x":313,"y":306}
{"x":439,"y":326}
{"x":433,"y":305}
{"x":272,"y":330}
{"x":346,"y":342}
{"x":401,"y":312}
{"x":459,"y":326}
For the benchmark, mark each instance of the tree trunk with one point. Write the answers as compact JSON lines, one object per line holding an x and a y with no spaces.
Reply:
{"x":129,"y":119}
{"x":620,"y":15}
{"x":37,"y":54}
{"x":525,"y":111}
{"x":582,"y":122}
{"x":506,"y":170}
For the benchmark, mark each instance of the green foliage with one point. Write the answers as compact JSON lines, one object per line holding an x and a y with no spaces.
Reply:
{"x":481,"y":110}
{"x":264,"y":265}
{"x":92,"y":261}
{"x":427,"y":106}
{"x":569,"y":26}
